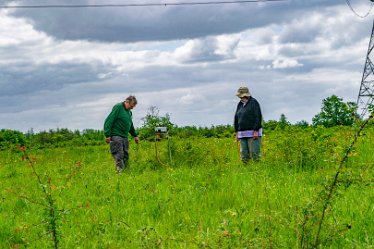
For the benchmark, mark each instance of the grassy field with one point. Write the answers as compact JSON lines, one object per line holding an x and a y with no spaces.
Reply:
{"x":204,"y":198}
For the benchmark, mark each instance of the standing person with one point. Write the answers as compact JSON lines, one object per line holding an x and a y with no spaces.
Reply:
{"x":248,"y":127}
{"x":117,"y":127}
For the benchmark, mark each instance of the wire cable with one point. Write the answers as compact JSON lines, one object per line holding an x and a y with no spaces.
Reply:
{"x":157,"y":138}
{"x":357,"y":14}
{"x":131,"y":5}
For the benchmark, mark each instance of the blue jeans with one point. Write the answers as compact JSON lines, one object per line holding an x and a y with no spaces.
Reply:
{"x":250,"y":149}
{"x":119,"y":147}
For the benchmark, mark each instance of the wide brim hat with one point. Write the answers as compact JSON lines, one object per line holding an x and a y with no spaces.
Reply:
{"x":243,"y":92}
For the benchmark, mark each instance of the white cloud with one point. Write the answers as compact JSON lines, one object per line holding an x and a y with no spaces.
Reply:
{"x":186,"y":61}
{"x":190,"y":99}
{"x":208,"y":49}
{"x":285,"y":63}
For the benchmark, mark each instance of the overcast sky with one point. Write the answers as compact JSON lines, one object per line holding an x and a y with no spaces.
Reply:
{"x":67,"y":67}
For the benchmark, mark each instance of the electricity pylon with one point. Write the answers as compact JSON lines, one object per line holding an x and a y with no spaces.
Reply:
{"x":366,"y":94}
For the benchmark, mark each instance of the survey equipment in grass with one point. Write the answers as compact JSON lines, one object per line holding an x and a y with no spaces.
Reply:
{"x":162,"y":133}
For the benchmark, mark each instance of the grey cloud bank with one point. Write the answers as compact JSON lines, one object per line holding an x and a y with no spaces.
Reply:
{"x":66,"y":68}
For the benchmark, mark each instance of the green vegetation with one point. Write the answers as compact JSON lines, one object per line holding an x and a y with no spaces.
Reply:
{"x":313,"y":187}
{"x":69,"y":196}
{"x":336,"y":112}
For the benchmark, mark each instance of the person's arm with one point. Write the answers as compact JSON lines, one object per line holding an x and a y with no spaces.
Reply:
{"x":108,"y":123}
{"x":236,"y":120}
{"x":255,"y":135}
{"x":133,"y":133}
{"x":257,"y":119}
{"x":136,"y":139}
{"x":257,"y":116}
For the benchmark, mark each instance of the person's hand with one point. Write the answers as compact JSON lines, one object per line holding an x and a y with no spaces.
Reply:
{"x":136,"y":139}
{"x":255,"y":135}
{"x":107,"y":140}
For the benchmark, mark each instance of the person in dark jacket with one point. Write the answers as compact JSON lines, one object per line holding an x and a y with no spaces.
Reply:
{"x":248,"y":125}
{"x":117,"y":127}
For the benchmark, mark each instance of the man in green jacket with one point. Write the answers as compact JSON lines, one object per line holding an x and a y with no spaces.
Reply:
{"x":117,"y":127}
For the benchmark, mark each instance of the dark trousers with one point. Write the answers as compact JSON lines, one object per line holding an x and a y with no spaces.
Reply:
{"x":119,"y":147}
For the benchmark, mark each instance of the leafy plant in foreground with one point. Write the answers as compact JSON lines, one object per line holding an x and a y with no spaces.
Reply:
{"x":53,"y":214}
{"x":315,"y":215}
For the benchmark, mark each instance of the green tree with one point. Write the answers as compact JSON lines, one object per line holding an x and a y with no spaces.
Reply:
{"x":336,"y":112}
{"x":271,"y":124}
{"x":9,"y":138}
{"x":283,"y":122}
{"x":153,"y":120}
{"x":371,"y":109}
{"x":302,"y":124}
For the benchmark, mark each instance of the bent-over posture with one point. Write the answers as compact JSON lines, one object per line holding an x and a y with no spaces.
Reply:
{"x":117,"y":127}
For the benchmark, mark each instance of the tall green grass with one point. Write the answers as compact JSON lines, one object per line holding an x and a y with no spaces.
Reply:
{"x":204,"y":198}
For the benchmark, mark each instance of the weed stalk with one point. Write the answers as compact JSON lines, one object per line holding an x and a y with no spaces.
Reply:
{"x":332,"y":187}
{"x":52,"y":216}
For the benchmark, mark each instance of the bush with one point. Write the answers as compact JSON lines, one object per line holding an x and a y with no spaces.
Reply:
{"x":11,"y":138}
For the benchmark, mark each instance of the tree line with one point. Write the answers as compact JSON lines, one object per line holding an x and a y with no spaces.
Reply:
{"x":334,"y":112}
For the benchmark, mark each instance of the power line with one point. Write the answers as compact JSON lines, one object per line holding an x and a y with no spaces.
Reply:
{"x":130,"y":5}
{"x":361,"y":16}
